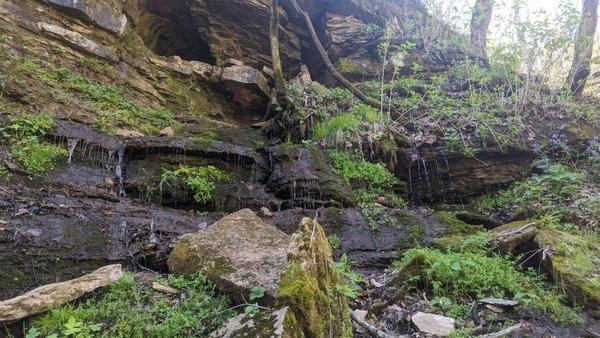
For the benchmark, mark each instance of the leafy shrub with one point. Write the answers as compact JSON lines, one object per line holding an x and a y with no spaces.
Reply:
{"x":129,"y":309}
{"x":201,"y":180}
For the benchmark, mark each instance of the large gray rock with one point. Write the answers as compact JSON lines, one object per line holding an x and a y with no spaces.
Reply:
{"x":248,"y":86}
{"x":237,"y":253}
{"x":433,"y":324}
{"x":78,"y":41}
{"x":52,"y":295}
{"x":266,"y":324}
{"x":101,"y":15}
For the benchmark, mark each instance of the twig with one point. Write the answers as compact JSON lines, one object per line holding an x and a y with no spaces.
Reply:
{"x":503,"y":333}
{"x":372,"y":329}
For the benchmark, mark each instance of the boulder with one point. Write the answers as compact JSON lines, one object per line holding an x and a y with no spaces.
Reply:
{"x":78,"y":41}
{"x":514,"y":235}
{"x":95,"y":12}
{"x":49,"y":296}
{"x":308,"y":285}
{"x":433,"y":324}
{"x":237,"y":253}
{"x":248,"y":87}
{"x":265,"y":324}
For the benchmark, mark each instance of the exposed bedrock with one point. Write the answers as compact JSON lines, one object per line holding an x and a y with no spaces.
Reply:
{"x":435,"y":175}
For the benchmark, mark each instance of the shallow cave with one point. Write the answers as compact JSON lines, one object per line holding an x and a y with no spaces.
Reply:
{"x":168,"y":28}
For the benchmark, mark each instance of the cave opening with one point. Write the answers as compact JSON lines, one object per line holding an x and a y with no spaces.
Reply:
{"x":168,"y":28}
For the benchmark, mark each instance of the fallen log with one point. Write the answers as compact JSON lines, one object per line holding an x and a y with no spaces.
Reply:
{"x":49,"y":296}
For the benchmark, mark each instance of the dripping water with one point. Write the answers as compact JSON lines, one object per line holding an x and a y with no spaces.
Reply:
{"x":119,"y":171}
{"x":71,"y":144}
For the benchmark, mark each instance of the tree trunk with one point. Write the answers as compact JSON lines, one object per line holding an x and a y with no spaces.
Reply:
{"x":275,"y":56}
{"x":357,"y":92}
{"x":584,"y":45}
{"x":480,"y":23}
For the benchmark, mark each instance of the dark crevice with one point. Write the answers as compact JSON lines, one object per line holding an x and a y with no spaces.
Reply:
{"x":168,"y":28}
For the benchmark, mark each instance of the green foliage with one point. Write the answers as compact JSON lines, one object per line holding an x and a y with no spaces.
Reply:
{"x":109,"y":102}
{"x":457,"y":276}
{"x":37,"y":156}
{"x":353,"y":280}
{"x":561,"y":191}
{"x":201,"y":180}
{"x":334,"y":241}
{"x":24,"y":133}
{"x":129,"y":309}
{"x":360,"y":173}
{"x":4,"y":173}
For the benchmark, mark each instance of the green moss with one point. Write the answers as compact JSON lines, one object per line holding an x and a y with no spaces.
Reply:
{"x":574,"y":263}
{"x":456,"y":226}
{"x":4,"y":173}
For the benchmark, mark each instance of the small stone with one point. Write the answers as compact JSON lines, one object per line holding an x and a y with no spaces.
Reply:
{"x":164,"y":289}
{"x":233,"y":62}
{"x":361,"y":314}
{"x":128,"y":133}
{"x":265,"y":212}
{"x":22,"y":212}
{"x":495,"y":309}
{"x":503,"y":303}
{"x":433,"y":324}
{"x":168,"y":131}
{"x":3,"y":222}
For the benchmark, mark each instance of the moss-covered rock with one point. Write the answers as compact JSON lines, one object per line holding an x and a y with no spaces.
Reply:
{"x":237,"y":253}
{"x":308,"y":285}
{"x":573,"y":261}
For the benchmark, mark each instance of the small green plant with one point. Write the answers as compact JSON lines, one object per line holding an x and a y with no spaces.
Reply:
{"x":4,"y":173}
{"x":201,"y":180}
{"x":334,"y":241}
{"x":256,"y":293}
{"x":353,"y":280}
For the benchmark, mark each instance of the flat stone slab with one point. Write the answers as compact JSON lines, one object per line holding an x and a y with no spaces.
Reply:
{"x":503,"y":303}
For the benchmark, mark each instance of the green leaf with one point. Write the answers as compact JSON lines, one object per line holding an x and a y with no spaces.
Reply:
{"x":32,"y":333}
{"x":455,"y":266}
{"x":257,"y":292}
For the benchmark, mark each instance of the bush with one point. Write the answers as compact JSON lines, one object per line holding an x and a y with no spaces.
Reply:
{"x":37,"y":156}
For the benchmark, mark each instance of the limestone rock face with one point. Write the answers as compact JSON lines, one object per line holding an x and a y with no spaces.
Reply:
{"x":266,"y":324}
{"x":95,"y":12}
{"x":49,"y":296}
{"x":78,"y":41}
{"x":308,"y":285}
{"x":237,"y":253}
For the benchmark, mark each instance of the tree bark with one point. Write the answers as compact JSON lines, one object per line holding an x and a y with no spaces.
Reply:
{"x":480,"y":23}
{"x":584,"y":45}
{"x":357,"y":92}
{"x":275,"y":55}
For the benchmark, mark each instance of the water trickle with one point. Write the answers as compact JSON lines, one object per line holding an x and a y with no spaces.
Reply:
{"x":71,"y":144}
{"x":427,"y":180}
{"x":119,"y":171}
{"x":152,"y":233}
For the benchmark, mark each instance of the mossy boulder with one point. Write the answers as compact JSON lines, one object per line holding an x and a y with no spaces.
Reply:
{"x":308,"y":285}
{"x":266,"y":324}
{"x":237,"y":253}
{"x":573,"y":261}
